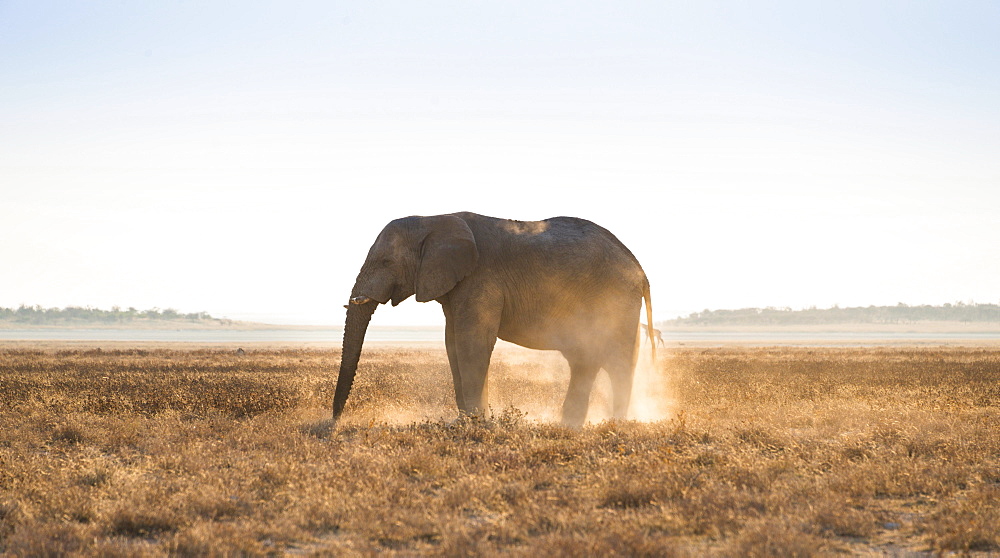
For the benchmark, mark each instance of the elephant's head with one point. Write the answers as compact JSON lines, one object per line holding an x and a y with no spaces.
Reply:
{"x":426,"y":256}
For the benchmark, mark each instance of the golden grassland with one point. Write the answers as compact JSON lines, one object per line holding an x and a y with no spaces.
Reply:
{"x":766,"y":451}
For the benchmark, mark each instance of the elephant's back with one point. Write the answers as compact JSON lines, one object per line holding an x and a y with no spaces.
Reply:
{"x":566,"y":233}
{"x":574,"y":249}
{"x":580,"y":239}
{"x":570,"y":247}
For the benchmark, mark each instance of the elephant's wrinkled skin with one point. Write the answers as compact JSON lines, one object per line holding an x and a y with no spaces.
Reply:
{"x":564,"y":284}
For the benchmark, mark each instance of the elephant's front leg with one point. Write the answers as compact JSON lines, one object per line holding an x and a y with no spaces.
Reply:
{"x":452,"y":347}
{"x":474,"y":332}
{"x":474,"y":349}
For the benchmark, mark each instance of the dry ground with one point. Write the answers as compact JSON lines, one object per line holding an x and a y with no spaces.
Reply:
{"x":782,"y":451}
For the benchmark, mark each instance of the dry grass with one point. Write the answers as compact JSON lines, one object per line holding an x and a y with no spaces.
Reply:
{"x":770,"y":452}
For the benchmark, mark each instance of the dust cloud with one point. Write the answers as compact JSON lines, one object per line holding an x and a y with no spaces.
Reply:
{"x":535,"y":383}
{"x":651,"y":396}
{"x":531,"y":381}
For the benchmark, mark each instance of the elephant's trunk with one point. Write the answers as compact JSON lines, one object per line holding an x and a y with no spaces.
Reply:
{"x":355,"y":326}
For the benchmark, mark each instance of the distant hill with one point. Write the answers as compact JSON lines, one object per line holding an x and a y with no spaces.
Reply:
{"x":77,"y":316}
{"x":899,"y":314}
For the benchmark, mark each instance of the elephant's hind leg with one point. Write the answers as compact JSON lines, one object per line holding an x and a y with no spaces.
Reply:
{"x":621,"y":389}
{"x":621,"y":370}
{"x":582,"y":373}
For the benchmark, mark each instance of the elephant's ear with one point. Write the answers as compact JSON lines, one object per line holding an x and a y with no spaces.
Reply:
{"x":447,"y":255}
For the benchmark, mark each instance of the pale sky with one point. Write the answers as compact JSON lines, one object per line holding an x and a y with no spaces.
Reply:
{"x":239,"y":158}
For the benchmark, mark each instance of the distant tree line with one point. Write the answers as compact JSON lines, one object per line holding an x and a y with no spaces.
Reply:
{"x":901,"y":313}
{"x":37,"y":315}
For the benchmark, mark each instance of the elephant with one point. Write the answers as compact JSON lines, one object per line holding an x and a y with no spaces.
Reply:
{"x":563,"y":284}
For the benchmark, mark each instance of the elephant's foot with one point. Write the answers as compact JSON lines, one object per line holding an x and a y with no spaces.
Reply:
{"x":467,"y":417}
{"x":574,"y":418}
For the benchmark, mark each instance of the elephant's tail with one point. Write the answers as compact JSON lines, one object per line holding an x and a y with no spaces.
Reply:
{"x":649,"y":318}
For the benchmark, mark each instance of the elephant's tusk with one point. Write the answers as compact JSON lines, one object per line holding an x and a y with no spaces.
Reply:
{"x":360,"y":300}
